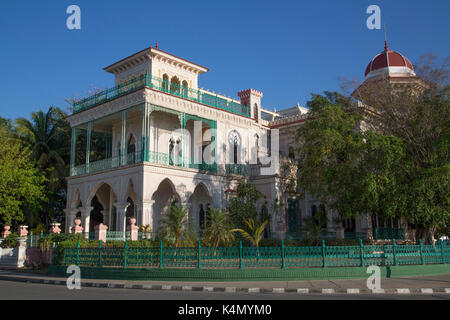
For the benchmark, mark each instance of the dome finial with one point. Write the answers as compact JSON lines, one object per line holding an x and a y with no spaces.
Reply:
{"x":386,"y":48}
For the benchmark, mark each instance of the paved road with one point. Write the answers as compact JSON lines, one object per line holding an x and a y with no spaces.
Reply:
{"x":30,"y":291}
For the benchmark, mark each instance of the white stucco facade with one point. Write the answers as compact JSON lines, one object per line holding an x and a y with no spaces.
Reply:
{"x":136,"y":152}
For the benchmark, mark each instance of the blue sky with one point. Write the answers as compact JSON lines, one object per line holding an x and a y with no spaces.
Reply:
{"x":286,"y":49}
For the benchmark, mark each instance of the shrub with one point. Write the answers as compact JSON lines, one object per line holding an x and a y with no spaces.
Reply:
{"x":10,"y":241}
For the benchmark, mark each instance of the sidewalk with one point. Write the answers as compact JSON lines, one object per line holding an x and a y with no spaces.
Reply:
{"x":411,"y":285}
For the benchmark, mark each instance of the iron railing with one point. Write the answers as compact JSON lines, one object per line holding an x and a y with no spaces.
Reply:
{"x":118,"y":235}
{"x":237,"y":168}
{"x":257,"y":257}
{"x":200,"y":96}
{"x":138,"y":157}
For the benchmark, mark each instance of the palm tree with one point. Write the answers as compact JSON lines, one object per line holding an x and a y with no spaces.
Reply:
{"x":175,"y":226}
{"x":218,"y":231}
{"x":314,"y":225}
{"x":255,"y":233}
{"x":47,"y":135}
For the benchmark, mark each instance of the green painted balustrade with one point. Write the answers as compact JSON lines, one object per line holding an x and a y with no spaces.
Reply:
{"x":196,"y":95}
{"x":117,"y":235}
{"x":138,"y":157}
{"x":237,"y":168}
{"x":160,"y":256}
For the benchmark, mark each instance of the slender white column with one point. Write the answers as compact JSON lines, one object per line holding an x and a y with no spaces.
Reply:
{"x":70,"y":214}
{"x":88,"y":145}
{"x":121,"y":211}
{"x":123,"y":149}
{"x":73,"y":149}
{"x":85,"y":219}
{"x":145,"y":213}
{"x":105,"y":214}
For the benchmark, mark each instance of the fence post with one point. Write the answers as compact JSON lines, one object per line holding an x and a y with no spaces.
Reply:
{"x":394,"y":251}
{"x":199,"y":263}
{"x":324,"y":254}
{"x":78,"y":253}
{"x":421,"y":251}
{"x":99,"y":254}
{"x":282,"y":255}
{"x":125,"y":255}
{"x":160,"y":254}
{"x":240,"y":254}
{"x":442,"y":251}
{"x":361,"y":252}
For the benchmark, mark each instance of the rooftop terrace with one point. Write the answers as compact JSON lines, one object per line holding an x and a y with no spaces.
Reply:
{"x":197,"y":95}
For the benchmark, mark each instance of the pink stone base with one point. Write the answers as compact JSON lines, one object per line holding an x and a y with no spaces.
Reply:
{"x":100,"y":232}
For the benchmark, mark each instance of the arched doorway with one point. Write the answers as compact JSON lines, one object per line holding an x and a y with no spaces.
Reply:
{"x":200,"y":205}
{"x":103,"y":209}
{"x":164,"y":196}
{"x":96,"y":214}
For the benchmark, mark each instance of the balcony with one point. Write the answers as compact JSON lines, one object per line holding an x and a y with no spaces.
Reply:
{"x":237,"y":168}
{"x":139,"y":157}
{"x":200,"y":96}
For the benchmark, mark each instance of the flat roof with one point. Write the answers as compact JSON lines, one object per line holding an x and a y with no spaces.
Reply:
{"x":153,"y":49}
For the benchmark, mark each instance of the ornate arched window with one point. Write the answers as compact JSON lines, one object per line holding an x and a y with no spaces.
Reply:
{"x":171,"y":151}
{"x":175,"y":84}
{"x":131,"y":149}
{"x":234,"y":141}
{"x":184,"y":88}
{"x":201,"y":218}
{"x":165,"y":82}
{"x":257,"y":147}
{"x":255,"y":112}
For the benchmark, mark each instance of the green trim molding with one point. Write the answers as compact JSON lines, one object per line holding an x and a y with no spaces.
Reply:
{"x":275,"y":274}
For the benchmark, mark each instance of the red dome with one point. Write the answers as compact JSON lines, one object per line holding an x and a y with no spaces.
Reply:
{"x":386,"y":59}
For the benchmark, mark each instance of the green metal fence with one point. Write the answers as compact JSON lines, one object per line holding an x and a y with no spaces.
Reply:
{"x":149,"y":81}
{"x":34,"y":239}
{"x":258,"y":257}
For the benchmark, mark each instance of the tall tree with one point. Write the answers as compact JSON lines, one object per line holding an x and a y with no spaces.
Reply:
{"x":254,"y":231}
{"x":391,"y":168}
{"x":47,"y":135}
{"x":353,"y":171}
{"x":419,"y":115}
{"x":243,"y":205}
{"x":21,"y":184}
{"x":175,"y":227}
{"x":218,"y":230}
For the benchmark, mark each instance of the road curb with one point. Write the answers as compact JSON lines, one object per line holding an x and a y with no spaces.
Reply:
{"x":252,"y":290}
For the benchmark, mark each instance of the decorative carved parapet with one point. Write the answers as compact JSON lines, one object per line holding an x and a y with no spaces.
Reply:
{"x":5,"y":232}
{"x":55,"y":228}
{"x":77,"y":228}
{"x":23,"y":232}
{"x":133,"y":228}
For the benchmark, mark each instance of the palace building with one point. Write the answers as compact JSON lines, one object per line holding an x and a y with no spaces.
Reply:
{"x":156,"y":138}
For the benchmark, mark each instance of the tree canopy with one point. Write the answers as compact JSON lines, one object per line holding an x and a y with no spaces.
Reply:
{"x":21,"y":184}
{"x":400,"y":170}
